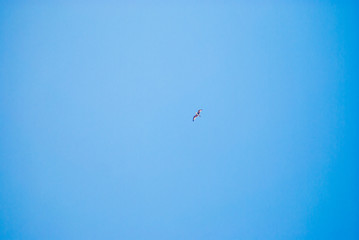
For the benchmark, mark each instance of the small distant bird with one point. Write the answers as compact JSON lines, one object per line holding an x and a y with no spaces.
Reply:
{"x":197,"y":114}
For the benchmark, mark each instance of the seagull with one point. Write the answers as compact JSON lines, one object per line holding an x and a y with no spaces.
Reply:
{"x":197,"y":114}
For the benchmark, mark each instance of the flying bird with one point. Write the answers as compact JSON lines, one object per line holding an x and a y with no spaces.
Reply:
{"x":197,"y":114}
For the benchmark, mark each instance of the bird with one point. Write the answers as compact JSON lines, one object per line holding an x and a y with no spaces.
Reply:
{"x":197,"y":114}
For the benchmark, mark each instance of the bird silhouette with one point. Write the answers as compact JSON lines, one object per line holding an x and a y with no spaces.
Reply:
{"x":197,"y":114}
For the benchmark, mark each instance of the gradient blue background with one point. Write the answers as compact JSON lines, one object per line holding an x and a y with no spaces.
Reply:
{"x":96,"y":132}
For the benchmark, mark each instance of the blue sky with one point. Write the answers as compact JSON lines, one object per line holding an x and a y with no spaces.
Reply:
{"x":96,"y":106}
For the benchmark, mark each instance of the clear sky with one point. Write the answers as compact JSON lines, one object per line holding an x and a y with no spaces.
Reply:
{"x":96,"y":132}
